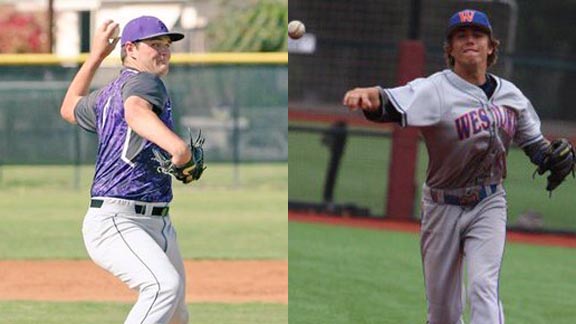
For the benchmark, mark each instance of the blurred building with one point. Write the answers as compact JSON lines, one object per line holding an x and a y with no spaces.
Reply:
{"x":240,"y":107}
{"x":74,"y":21}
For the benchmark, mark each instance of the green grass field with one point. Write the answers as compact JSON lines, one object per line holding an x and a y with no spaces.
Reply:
{"x":114,"y":313}
{"x":366,"y":276}
{"x":228,"y":215}
{"x":363,"y":176}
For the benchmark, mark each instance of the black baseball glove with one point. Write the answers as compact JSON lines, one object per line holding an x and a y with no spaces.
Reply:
{"x":190,"y":171}
{"x":559,"y":159}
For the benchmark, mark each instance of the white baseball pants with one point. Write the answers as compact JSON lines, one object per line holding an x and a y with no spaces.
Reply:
{"x":142,"y":251}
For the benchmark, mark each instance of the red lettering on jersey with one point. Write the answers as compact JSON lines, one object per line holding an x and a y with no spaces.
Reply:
{"x":504,"y":119}
{"x":476,"y":128}
{"x":466,"y":16}
{"x":512,"y":120}
{"x":475,"y":121}
{"x":463,"y":126}
{"x":483,"y":115}
{"x":498,"y":116}
{"x":509,"y":124}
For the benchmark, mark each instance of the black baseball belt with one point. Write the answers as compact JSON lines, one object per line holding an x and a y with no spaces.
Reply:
{"x":138,"y":208}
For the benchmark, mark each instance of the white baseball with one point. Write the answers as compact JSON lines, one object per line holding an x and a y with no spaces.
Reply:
{"x":296,"y":29}
{"x":115,"y":35}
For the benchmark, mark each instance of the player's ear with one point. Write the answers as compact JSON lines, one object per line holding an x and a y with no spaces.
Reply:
{"x":448,"y":46}
{"x":130,"y":49}
{"x":493,"y":45}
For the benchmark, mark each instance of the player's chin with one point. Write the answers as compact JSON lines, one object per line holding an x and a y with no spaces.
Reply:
{"x":471,"y":60}
{"x":163,"y":69}
{"x":470,"y":56}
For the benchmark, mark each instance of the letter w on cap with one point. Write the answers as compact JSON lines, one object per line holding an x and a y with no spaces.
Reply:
{"x":466,"y":16}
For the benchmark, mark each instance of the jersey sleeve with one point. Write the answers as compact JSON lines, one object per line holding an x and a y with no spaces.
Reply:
{"x":528,"y":126}
{"x":386,"y":113}
{"x":148,"y":87}
{"x":85,"y":113}
{"x":418,"y":103}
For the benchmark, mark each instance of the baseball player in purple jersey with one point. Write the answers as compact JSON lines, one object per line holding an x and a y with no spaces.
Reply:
{"x":468,"y":119}
{"x":127,"y":229}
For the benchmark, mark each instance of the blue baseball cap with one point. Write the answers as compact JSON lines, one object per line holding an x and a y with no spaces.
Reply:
{"x":146,"y":27}
{"x":469,"y":17}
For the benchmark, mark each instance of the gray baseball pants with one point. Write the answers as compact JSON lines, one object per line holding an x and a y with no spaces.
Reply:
{"x":452,"y":236}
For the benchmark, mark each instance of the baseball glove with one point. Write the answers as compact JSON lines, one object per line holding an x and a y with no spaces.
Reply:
{"x":559,"y":159}
{"x":190,"y":171}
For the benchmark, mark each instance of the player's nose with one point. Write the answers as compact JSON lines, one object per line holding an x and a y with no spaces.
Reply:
{"x":164,"y":50}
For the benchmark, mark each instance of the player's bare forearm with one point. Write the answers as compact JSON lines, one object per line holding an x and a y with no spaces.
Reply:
{"x":78,"y":88}
{"x":81,"y":83}
{"x":142,"y":119}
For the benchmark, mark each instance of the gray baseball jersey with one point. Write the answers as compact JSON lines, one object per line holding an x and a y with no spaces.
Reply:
{"x":467,"y":131}
{"x":125,"y":167}
{"x":461,"y":125}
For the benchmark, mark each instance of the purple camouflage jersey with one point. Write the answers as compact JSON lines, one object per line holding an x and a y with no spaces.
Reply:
{"x":124,"y":165}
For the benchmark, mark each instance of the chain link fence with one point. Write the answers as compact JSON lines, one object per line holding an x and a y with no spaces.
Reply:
{"x":240,"y":108}
{"x":355,"y":43}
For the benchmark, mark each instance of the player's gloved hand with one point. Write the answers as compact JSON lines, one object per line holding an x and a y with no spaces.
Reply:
{"x":192,"y":170}
{"x":559,"y":159}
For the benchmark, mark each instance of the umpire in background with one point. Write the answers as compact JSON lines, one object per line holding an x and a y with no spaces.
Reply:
{"x":127,"y":229}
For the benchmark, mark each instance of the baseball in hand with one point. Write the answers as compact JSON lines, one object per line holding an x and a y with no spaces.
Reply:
{"x":296,"y":29}
{"x":115,"y":35}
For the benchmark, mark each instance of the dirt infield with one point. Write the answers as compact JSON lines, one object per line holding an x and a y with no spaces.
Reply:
{"x":208,"y":281}
{"x":414,"y":227}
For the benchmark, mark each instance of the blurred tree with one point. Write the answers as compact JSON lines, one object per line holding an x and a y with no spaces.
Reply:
{"x":22,"y":32}
{"x":250,"y":26}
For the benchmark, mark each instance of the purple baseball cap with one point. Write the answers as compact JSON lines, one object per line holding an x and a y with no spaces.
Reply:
{"x":146,"y":27}
{"x":469,"y":17}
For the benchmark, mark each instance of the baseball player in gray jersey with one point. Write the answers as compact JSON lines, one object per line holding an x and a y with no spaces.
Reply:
{"x":127,"y":229}
{"x":468,"y":119}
